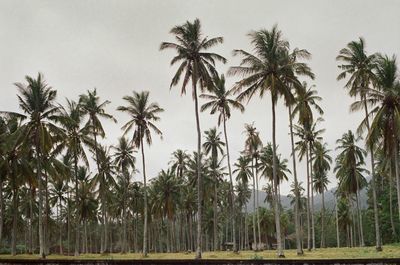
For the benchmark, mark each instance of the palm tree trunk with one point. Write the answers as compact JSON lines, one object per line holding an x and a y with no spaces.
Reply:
{"x":337,"y":223}
{"x":69,"y":222}
{"x":254,"y":205}
{"x":373,"y":184}
{"x":360,"y":222}
{"x":312,"y":200}
{"x":40,"y":207}
{"x":47,"y":217}
{"x":396,"y":170}
{"x":14,"y":222}
{"x":308,"y":203}
{"x":391,"y":201}
{"x":76,"y":252}
{"x":231,"y":187}
{"x":199,"y":178}
{"x":246,"y":231}
{"x":323,"y":221}
{"x":30,"y":219}
{"x":60,"y":225}
{"x":215,"y":216}
{"x":274,"y":171}
{"x":1,"y":210}
{"x":145,"y":199}
{"x":257,"y":210}
{"x":297,"y":199}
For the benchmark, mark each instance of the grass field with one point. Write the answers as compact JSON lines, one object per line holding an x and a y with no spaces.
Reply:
{"x":389,"y":251}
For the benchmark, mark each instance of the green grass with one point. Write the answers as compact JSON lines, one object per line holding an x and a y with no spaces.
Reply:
{"x":389,"y":251}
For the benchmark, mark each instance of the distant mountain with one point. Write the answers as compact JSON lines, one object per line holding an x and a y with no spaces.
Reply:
{"x":329,"y":200}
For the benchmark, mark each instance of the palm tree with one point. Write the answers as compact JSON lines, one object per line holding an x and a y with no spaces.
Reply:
{"x":385,"y":126}
{"x":77,"y":138}
{"x":270,"y":69}
{"x":321,"y":166}
{"x":37,"y":100}
{"x":253,"y":146}
{"x":220,"y":101}
{"x":143,"y":114}
{"x":214,"y":145}
{"x":350,"y":172}
{"x":360,"y":67}
{"x":91,"y":106}
{"x":125,"y":161}
{"x":179,"y":162}
{"x":196,"y":65}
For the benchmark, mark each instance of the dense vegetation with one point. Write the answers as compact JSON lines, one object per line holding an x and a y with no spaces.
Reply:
{"x":52,"y":202}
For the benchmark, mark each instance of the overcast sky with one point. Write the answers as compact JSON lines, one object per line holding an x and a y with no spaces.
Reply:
{"x":114,"y":46}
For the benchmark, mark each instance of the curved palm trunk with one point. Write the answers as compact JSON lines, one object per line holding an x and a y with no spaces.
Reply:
{"x":199,"y":178}
{"x":308,"y":203}
{"x":230,"y":188}
{"x":145,"y":200}
{"x":312,"y":201}
{"x":274,"y":171}
{"x":297,"y":199}
{"x":378,"y":241}
{"x":254,"y":205}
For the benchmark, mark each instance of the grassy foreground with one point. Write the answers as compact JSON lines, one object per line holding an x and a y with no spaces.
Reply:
{"x":389,"y":251}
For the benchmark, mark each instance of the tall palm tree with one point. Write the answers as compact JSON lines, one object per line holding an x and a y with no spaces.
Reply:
{"x":77,"y":138}
{"x":219,"y":100}
{"x":321,"y":166}
{"x":252,"y":147}
{"x":94,"y":109}
{"x":143,"y":114}
{"x":37,"y":101}
{"x":198,"y":66}
{"x":360,"y":66}
{"x":213,"y":145}
{"x":385,"y":127}
{"x":350,"y":172}
{"x":125,"y":161}
{"x":179,"y":162}
{"x":271,"y":70}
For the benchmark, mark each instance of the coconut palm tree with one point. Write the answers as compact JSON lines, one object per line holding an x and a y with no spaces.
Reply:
{"x":143,"y":114}
{"x":322,"y":161}
{"x":271,"y":70}
{"x":179,"y":163}
{"x":349,"y":170}
{"x":198,"y":66}
{"x":37,"y":101}
{"x":219,"y":101}
{"x":360,"y":66}
{"x":91,"y":106}
{"x":125,"y":161}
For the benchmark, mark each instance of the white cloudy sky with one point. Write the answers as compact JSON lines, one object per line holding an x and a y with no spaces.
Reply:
{"x":114,"y":46}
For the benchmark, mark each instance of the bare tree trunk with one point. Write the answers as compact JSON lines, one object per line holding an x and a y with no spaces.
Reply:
{"x":337,"y":224}
{"x":258,"y":246}
{"x":215,"y":216}
{"x":312,"y":200}
{"x":30,"y":219}
{"x":360,"y":222}
{"x":274,"y":171}
{"x":254,"y":205}
{"x":145,"y":200}
{"x":391,"y":202}
{"x":323,"y":221}
{"x":39,"y":180}
{"x":76,"y":253}
{"x":308,"y":203}
{"x":60,"y":225}
{"x":14,"y":222}
{"x":296,"y":188}
{"x":1,"y":210}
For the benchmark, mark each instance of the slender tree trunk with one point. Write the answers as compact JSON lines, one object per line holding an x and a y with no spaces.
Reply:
{"x":296,"y":188}
{"x":230,"y":188}
{"x":258,"y":246}
{"x":215,"y":216}
{"x":254,"y":205}
{"x":1,"y":210}
{"x":199,"y":177}
{"x":60,"y":224}
{"x":337,"y":223}
{"x":30,"y":219}
{"x":145,"y":199}
{"x":308,"y":203}
{"x":125,"y":216}
{"x":14,"y":222}
{"x":373,"y":184}
{"x":40,"y":207}
{"x":76,"y":252}
{"x":391,"y":201}
{"x":274,"y":171}
{"x":323,"y":221}
{"x":312,"y":200}
{"x":396,"y":170}
{"x":246,"y":231}
{"x":360,"y":222}
{"x":68,"y":223}
{"x":47,"y":217}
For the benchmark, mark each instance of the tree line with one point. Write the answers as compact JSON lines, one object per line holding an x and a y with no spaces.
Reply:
{"x":51,"y":201}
